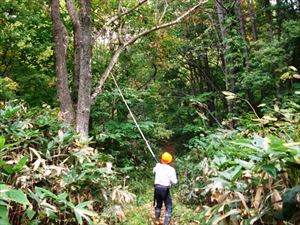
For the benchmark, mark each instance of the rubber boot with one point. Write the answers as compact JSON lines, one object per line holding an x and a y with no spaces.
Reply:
{"x":167,"y":219}
{"x":157,"y":216}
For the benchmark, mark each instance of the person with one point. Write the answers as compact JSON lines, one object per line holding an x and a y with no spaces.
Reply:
{"x":165,"y":177}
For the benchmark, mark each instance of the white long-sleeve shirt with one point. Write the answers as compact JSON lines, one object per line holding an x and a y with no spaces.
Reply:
{"x":164,"y":174}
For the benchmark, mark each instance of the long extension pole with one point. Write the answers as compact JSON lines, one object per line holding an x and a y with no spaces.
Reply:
{"x":135,"y":122}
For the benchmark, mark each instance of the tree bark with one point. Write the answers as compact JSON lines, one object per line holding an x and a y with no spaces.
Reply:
{"x":77,"y":47}
{"x":279,"y":16}
{"x":240,"y":15}
{"x":84,"y":91}
{"x":60,"y":36}
{"x":221,"y":16}
{"x":252,"y":19}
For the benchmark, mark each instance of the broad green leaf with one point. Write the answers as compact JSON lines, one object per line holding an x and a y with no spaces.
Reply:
{"x":232,"y":173}
{"x":80,"y":212}
{"x":78,"y":218}
{"x":8,"y":169}
{"x":270,"y":169}
{"x":17,"y":196}
{"x":4,"y":220}
{"x":20,"y":164}
{"x":245,"y":164}
{"x":43,"y":192}
{"x":30,"y":213}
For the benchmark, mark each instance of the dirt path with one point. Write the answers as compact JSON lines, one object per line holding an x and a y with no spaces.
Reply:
{"x":142,"y":212}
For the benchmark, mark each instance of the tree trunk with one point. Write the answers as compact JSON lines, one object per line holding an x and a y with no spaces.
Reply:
{"x":60,"y":36}
{"x":228,"y":81}
{"x":252,"y":20}
{"x":77,"y":47}
{"x":279,"y":16}
{"x":221,"y":15}
{"x":84,"y":91}
{"x":240,"y":15}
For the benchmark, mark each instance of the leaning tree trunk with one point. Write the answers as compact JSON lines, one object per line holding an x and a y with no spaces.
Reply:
{"x":84,"y":91}
{"x":60,"y":36}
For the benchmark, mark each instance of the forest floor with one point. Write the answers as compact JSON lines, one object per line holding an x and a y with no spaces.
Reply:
{"x":142,"y":211}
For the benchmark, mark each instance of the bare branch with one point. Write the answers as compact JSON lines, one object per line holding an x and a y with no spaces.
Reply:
{"x":116,"y":17}
{"x":117,"y":54}
{"x":165,"y":25}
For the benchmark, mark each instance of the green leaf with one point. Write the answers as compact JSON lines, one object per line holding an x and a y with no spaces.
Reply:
{"x":232,"y":173}
{"x":4,"y":216}
{"x":8,"y":169}
{"x":30,"y":213}
{"x":45,"y":193}
{"x":270,"y":169}
{"x":17,"y":196}
{"x":2,"y":142}
{"x":80,"y":212}
{"x":245,"y":164}
{"x":20,"y":164}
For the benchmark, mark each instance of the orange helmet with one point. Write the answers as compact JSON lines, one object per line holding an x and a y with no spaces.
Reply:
{"x":166,"y":158}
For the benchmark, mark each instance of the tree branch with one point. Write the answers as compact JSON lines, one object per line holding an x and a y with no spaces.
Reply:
{"x":117,"y":54}
{"x":116,"y":17}
{"x":73,"y":13}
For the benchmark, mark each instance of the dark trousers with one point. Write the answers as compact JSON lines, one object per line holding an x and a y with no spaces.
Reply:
{"x":162,"y":195}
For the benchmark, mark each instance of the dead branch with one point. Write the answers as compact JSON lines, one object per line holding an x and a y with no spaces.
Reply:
{"x":116,"y":17}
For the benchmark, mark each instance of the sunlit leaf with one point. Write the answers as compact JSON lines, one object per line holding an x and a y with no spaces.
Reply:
{"x":261,"y":105}
{"x":228,"y":93}
{"x":292,"y":68}
{"x":20,"y":164}
{"x":230,"y":97}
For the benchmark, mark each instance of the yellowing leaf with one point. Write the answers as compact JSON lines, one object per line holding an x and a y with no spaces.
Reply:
{"x":261,"y":105}
{"x":228,"y":93}
{"x":269,"y":118}
{"x":258,"y":196}
{"x":230,"y":97}
{"x":293,"y":68}
{"x":231,"y":212}
{"x":277,"y":200}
